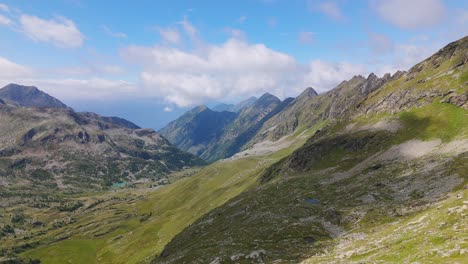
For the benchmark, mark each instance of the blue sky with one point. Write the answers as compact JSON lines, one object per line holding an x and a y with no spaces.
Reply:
{"x":148,"y":61}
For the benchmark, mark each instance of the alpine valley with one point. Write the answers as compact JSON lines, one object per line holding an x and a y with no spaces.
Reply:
{"x":372,"y":171}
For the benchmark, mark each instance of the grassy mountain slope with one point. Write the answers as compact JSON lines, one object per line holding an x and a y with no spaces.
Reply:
{"x":358,"y":179}
{"x":131,"y":225}
{"x":341,"y":184}
{"x":372,"y":185}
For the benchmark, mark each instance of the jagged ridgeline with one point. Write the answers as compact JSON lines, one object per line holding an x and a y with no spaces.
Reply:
{"x":372,"y":171}
{"x":45,"y":143}
{"x":383,"y":179}
{"x":214,"y":135}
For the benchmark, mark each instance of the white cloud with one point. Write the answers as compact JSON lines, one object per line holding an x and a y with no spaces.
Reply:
{"x":4,"y":8}
{"x":232,"y":69}
{"x":406,"y":56}
{"x":87,"y":89}
{"x":331,"y":9}
{"x":306,"y":37}
{"x":169,"y":35}
{"x":91,"y":69}
{"x":67,"y":88}
{"x":114,"y":34}
{"x":410,"y":14}
{"x":324,"y":75}
{"x":4,"y":20}
{"x":61,"y":31}
{"x":109,"y":69}
{"x":74,"y":71}
{"x":380,"y":44}
{"x":167,"y":109}
{"x":409,"y":55}
{"x":9,"y":69}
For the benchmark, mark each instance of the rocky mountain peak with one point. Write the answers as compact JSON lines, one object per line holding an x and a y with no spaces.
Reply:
{"x":372,"y":76}
{"x":28,"y":96}
{"x":200,"y":108}
{"x":267,"y":97}
{"x":308,"y":92}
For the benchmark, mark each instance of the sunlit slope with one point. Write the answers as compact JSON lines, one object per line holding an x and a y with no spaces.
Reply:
{"x":396,"y":153}
{"x":134,"y":226}
{"x":345,"y":183}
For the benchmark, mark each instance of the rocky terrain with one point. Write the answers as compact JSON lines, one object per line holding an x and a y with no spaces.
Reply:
{"x":372,"y":171}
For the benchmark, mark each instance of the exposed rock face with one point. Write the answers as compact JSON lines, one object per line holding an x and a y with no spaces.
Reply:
{"x":28,"y":96}
{"x":310,"y":109}
{"x":441,"y":77}
{"x":460,"y":100}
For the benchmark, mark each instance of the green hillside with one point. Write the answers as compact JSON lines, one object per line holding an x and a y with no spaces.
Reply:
{"x":373,"y":171}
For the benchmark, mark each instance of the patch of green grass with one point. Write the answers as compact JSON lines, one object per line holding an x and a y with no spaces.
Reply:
{"x":436,"y":120}
{"x":113,"y":230}
{"x":464,"y":77}
{"x":68,"y":251}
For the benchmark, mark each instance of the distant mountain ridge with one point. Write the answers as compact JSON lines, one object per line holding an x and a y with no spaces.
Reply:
{"x":45,"y":143}
{"x":235,"y":107}
{"x":28,"y":96}
{"x":224,"y":133}
{"x":112,"y":119}
{"x":197,"y":128}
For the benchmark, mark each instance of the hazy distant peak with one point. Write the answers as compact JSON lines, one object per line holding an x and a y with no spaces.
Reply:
{"x":309,"y":92}
{"x":29,"y":96}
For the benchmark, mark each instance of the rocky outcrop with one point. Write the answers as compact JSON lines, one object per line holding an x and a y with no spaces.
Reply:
{"x":460,"y":100}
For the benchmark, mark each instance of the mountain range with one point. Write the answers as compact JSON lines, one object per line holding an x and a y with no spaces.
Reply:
{"x":235,"y":107}
{"x":45,"y":143}
{"x":224,"y":133}
{"x":386,"y":153}
{"x":372,"y":171}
